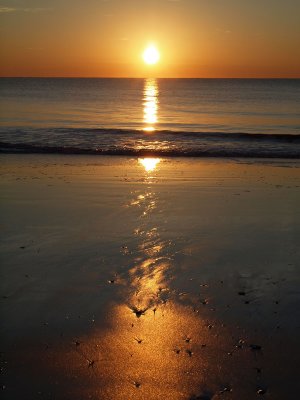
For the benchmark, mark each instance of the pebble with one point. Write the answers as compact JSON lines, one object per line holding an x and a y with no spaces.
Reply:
{"x":255,"y":347}
{"x":225,"y":389}
{"x":189,"y":352}
{"x":261,"y":391}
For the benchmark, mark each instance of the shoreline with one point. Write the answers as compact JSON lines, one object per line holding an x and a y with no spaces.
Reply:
{"x":221,"y":154}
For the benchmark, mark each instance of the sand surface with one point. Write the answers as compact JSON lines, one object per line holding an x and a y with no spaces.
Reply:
{"x":179,"y":282}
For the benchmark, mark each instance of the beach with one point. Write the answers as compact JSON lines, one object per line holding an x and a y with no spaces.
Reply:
{"x":127,"y":278}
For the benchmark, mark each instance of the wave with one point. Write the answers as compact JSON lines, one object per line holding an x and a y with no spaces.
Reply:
{"x":25,"y":148}
{"x":121,"y":131}
{"x":142,"y":143}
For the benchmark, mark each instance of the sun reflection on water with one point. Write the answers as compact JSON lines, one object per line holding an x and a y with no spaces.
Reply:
{"x":149,"y":163}
{"x":150,"y":102}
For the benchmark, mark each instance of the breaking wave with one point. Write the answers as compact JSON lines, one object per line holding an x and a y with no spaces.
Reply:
{"x":142,"y":143}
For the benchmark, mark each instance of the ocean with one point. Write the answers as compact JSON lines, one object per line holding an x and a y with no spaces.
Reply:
{"x":161,"y":117}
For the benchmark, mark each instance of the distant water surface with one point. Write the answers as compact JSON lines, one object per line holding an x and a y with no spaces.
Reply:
{"x":246,"y":117}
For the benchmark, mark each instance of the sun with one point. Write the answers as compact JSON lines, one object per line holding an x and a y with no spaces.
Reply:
{"x":151,"y":55}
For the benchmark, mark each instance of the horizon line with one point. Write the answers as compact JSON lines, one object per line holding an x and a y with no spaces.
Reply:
{"x":145,"y":77}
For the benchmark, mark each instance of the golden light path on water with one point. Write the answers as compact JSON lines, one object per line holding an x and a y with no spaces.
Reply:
{"x":150,"y":103}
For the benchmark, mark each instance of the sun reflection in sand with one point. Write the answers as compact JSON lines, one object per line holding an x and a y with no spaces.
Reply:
{"x":149,"y":163}
{"x":150,"y":102}
{"x":152,"y":261}
{"x":143,"y":352}
{"x":147,"y":202}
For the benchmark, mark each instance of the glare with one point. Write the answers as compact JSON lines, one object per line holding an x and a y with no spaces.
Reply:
{"x":150,"y":104}
{"x":151,"y":55}
{"x":149,"y":163}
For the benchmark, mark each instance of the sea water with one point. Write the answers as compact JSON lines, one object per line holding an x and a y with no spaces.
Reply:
{"x":181,"y":117}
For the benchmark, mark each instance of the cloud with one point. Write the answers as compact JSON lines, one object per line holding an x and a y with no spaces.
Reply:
{"x":7,"y":9}
{"x":35,"y":10}
{"x":26,"y":10}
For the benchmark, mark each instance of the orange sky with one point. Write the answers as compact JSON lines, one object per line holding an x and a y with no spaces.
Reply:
{"x":105,"y":38}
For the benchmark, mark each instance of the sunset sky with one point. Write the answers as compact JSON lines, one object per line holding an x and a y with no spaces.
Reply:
{"x":106,"y":38}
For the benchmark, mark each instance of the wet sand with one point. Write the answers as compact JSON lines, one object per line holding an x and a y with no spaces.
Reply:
{"x":124,"y":279}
